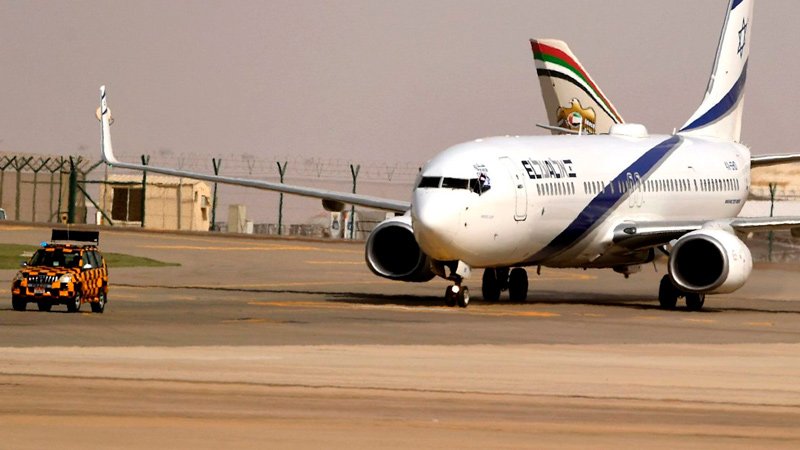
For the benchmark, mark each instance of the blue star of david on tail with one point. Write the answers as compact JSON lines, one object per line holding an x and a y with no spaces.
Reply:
{"x":742,"y":38}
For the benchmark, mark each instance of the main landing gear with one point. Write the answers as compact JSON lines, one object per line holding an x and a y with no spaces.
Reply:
{"x":500,"y":279}
{"x":668,"y":295}
{"x":495,"y":281}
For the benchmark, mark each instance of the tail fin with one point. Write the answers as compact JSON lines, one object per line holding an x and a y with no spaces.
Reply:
{"x":572,"y":99}
{"x":720,"y":113}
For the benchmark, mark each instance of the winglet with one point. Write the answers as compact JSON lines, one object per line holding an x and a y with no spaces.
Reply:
{"x":720,"y":113}
{"x":107,"y":152}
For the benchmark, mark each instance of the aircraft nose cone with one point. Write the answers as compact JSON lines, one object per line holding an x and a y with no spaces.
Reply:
{"x":436,"y":224}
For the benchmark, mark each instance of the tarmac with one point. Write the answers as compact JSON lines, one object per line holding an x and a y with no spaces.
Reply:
{"x":284,"y":343}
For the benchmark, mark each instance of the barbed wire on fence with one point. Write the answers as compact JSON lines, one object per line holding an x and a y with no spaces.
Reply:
{"x":299,"y":167}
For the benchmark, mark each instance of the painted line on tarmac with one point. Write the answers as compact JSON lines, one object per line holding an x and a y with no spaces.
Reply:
{"x":705,"y":321}
{"x":759,"y":324}
{"x":411,"y":309}
{"x":648,"y":318}
{"x":561,"y":276}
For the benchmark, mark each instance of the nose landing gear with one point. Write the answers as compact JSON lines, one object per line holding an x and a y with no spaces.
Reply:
{"x":456,"y":295}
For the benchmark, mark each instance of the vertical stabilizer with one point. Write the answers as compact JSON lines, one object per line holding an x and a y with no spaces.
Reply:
{"x":572,"y":99}
{"x":720,"y":113}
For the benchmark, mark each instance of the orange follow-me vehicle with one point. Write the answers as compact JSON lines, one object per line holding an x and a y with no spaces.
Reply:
{"x":69,"y":270}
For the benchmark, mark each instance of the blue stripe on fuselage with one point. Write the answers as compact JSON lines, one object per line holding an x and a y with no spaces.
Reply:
{"x":604,"y":202}
{"x":735,"y":3}
{"x":724,"y":106}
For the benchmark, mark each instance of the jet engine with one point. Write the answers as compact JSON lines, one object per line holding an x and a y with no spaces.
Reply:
{"x":392,"y":252}
{"x":710,"y":261}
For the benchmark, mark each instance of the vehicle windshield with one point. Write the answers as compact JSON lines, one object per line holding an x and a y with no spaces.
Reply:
{"x":55,"y":258}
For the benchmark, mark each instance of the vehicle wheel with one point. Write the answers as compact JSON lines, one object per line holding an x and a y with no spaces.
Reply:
{"x":667,"y":293}
{"x":490,"y":287}
{"x":449,"y":296}
{"x":100,"y":305}
{"x":74,"y":305}
{"x":518,"y":285}
{"x":463,"y":297}
{"x":44,"y":306}
{"x":694,"y":302}
{"x":18,"y":304}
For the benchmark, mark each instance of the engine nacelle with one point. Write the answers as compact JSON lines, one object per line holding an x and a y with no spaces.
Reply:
{"x":392,"y":252}
{"x":710,"y":261}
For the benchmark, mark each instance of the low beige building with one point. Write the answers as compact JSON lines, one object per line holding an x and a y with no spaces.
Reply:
{"x":170,"y":203}
{"x":785,"y":177}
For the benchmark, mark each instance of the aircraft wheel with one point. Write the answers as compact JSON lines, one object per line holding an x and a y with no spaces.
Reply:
{"x":463,"y":297}
{"x":518,"y":285}
{"x":18,"y":304}
{"x":450,"y":296}
{"x":502,"y":278}
{"x":44,"y":306}
{"x":667,"y":293}
{"x":490,"y":287}
{"x":694,"y":302}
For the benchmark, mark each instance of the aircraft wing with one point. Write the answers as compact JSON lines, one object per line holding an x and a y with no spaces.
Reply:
{"x":773,"y":160}
{"x":323,"y":194}
{"x":636,"y":235}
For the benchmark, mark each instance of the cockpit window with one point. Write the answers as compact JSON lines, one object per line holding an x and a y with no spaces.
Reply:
{"x":477,"y":185}
{"x":481,"y":184}
{"x":429,"y":182}
{"x":455,"y":183}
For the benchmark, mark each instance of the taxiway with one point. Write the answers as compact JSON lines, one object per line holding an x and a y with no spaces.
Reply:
{"x":255,"y":342}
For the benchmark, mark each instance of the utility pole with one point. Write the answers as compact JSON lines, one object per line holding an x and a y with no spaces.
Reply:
{"x":352,"y":225}
{"x":145,"y":161}
{"x":772,"y":188}
{"x":217,"y":163}
{"x":282,"y":172}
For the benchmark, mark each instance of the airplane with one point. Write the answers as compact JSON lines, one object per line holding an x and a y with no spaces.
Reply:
{"x":571,"y":201}
{"x":573,"y":100}
{"x":575,"y":103}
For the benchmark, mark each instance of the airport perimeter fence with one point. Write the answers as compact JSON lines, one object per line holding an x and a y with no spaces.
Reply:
{"x":69,"y":189}
{"x":75,"y":189}
{"x":36,"y":188}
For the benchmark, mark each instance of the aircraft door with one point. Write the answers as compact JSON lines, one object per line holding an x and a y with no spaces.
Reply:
{"x":518,"y":176}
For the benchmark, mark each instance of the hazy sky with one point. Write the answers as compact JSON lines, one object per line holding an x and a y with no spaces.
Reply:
{"x":365,"y":80}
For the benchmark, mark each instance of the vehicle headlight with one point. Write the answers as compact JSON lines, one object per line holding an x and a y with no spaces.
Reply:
{"x":65,"y":279}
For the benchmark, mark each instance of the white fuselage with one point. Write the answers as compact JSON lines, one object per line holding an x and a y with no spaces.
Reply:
{"x":555,"y":200}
